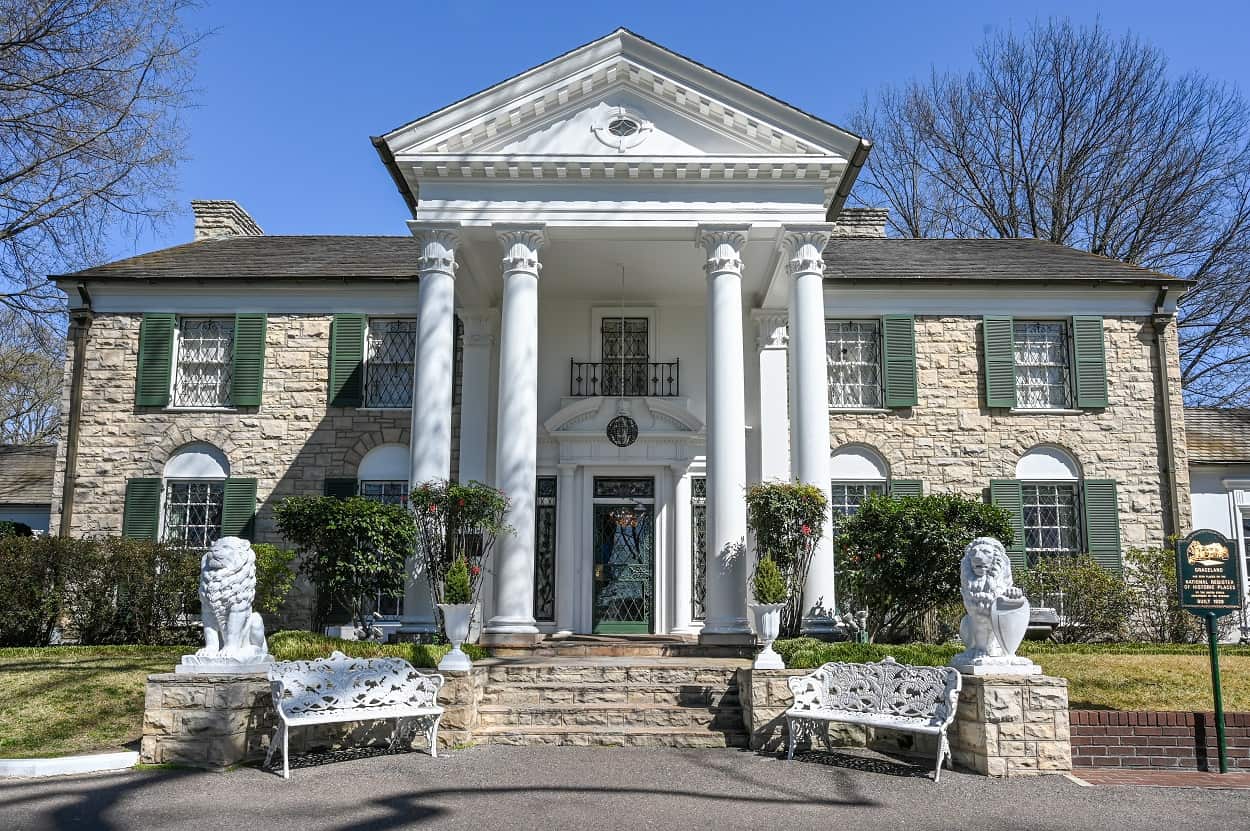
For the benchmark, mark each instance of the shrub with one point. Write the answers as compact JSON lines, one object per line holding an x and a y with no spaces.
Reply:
{"x":767,"y":584}
{"x":459,"y":589}
{"x":275,"y":575}
{"x":1093,"y":603}
{"x":456,"y":522}
{"x":31,"y":584}
{"x":294,"y":645}
{"x":350,"y":549}
{"x":899,"y":558}
{"x":787,"y":520}
{"x":9,"y":528}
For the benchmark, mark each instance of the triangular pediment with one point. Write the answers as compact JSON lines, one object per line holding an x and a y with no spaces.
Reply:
{"x":565,"y":108}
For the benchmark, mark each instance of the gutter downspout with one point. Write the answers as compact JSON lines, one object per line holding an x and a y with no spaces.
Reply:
{"x":388,"y":159}
{"x":1161,"y":319}
{"x":848,"y":179}
{"x":79,"y":327}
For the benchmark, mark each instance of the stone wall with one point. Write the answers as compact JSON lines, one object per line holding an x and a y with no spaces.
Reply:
{"x":1150,"y":739}
{"x":290,"y":444}
{"x":955,"y":444}
{"x":217,"y":721}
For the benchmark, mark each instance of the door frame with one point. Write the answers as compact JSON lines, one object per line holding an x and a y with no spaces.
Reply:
{"x":623,"y":627}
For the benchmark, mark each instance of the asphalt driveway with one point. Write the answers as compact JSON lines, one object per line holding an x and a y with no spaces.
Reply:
{"x":588,"y":788}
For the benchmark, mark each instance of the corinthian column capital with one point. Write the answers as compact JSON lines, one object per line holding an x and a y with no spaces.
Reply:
{"x":438,"y":241}
{"x":723,"y":244}
{"x":804,"y":247}
{"x":520,"y":245}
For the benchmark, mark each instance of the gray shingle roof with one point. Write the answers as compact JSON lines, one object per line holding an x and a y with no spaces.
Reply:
{"x":26,"y":475}
{"x":975,"y":259}
{"x":1216,"y":434}
{"x":395,"y":257}
{"x":268,"y":257}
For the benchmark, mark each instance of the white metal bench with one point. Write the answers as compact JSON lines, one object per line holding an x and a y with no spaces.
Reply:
{"x":339,"y":689}
{"x":886,"y":694}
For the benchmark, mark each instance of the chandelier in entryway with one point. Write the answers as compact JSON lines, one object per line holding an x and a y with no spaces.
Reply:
{"x":622,"y":430}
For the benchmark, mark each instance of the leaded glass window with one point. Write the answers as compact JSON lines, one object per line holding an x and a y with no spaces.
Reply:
{"x":846,"y":497}
{"x":204,"y":365}
{"x":698,"y":546}
{"x":388,"y":368}
{"x":1041,"y":355}
{"x":624,"y":488}
{"x":388,"y":492}
{"x":193,"y":513}
{"x":1051,"y":524}
{"x":545,"y":549}
{"x":625,"y":352}
{"x":853,"y":351}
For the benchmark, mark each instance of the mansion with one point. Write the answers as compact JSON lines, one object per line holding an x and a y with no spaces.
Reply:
{"x":628,"y":283}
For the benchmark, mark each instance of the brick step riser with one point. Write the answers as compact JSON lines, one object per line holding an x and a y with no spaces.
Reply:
{"x":608,"y":739}
{"x":530,"y":696}
{"x":695,"y":720}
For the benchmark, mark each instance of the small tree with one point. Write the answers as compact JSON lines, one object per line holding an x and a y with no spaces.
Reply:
{"x":899,"y":558}
{"x":454,"y":523}
{"x":350,"y":549}
{"x":1093,"y":602}
{"x":787,"y":520}
{"x":274,"y":576}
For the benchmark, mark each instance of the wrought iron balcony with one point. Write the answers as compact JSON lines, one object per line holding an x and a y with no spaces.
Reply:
{"x":631,"y":378}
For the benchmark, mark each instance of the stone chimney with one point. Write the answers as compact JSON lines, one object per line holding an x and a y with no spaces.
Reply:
{"x":860,"y":222}
{"x":217,"y":218}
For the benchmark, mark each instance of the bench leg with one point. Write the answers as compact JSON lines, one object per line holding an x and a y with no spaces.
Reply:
{"x":431,"y":734}
{"x":942,"y":754}
{"x":273,"y":745}
{"x":286,"y":757}
{"x":792,"y":738}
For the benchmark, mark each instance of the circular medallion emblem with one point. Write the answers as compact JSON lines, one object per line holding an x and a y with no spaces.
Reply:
{"x":622,"y":431}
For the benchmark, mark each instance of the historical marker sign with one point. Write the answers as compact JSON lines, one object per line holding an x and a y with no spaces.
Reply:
{"x":1206,"y":573}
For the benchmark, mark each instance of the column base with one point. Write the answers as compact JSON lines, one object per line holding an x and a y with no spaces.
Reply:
{"x":499,"y":625}
{"x":490,"y":639}
{"x":727,"y":632}
{"x":820,"y":626}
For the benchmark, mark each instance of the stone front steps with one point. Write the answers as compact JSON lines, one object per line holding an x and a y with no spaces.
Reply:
{"x":624,"y":646}
{"x":612,"y":702}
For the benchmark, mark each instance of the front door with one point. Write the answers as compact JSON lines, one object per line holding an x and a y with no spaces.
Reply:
{"x":624,"y":564}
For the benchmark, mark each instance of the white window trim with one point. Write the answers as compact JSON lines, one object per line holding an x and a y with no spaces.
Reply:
{"x":174,"y":356}
{"x":843,"y":408}
{"x":1078,"y":486}
{"x":597,"y":315}
{"x":1069,"y":351}
{"x":365,"y":407}
{"x":172,"y":480}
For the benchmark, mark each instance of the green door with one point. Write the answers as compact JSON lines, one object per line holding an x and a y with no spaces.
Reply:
{"x":624,"y":568}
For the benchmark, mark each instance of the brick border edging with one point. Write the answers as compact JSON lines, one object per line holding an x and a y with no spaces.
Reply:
{"x":1157,"y":739}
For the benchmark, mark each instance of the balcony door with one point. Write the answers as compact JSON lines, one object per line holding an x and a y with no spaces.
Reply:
{"x":625,"y":350}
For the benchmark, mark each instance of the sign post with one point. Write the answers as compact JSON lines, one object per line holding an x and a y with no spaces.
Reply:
{"x":1206,"y":580}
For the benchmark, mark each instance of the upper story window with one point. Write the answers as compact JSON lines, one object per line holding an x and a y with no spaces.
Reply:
{"x":389,"y":362}
{"x":1042,"y":365}
{"x":203,"y":366}
{"x":853,"y":350}
{"x":625,"y":349}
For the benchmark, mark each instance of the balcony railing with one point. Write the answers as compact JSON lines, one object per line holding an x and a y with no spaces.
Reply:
{"x":631,"y":378}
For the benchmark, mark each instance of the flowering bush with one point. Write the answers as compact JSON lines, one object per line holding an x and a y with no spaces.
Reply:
{"x":456,"y":523}
{"x":787,"y":520}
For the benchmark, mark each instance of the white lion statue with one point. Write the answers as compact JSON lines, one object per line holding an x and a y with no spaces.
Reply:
{"x":234,"y":635}
{"x":997,"y":613}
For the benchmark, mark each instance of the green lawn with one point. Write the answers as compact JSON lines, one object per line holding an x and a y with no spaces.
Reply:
{"x":68,"y":699}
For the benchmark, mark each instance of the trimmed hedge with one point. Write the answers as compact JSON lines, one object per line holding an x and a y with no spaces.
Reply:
{"x":294,"y":645}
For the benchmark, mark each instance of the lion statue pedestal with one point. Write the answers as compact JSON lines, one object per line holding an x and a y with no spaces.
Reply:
{"x":234,"y":635}
{"x":998,"y":614}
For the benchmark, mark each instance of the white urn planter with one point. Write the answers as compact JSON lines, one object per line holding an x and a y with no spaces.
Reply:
{"x":766,"y":620}
{"x":457,"y":618}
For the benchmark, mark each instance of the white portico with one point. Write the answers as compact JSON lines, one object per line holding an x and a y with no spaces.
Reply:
{"x":622,"y":232}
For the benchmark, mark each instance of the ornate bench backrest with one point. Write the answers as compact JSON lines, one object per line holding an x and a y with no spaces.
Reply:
{"x":342,"y":683}
{"x":886,"y":687}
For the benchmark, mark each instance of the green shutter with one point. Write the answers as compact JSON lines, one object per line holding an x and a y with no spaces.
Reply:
{"x":347,"y":360}
{"x":1005,"y":493}
{"x":1089,"y":362}
{"x":1000,"y":361}
{"x":339,"y":488}
{"x":898,"y":333}
{"x":238,"y":508}
{"x":248,"y":371}
{"x":906,"y":487}
{"x":1102,"y":522}
{"x":156,"y":349}
{"x":141,"y":517}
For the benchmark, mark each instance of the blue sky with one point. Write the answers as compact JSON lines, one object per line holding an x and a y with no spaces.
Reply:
{"x":289,"y":92}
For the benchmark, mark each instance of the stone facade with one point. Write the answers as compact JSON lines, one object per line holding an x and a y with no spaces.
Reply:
{"x":955,"y":444}
{"x":290,"y":444}
{"x":1012,"y":726}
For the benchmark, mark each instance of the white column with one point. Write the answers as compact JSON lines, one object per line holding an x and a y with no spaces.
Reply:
{"x":479,"y":340}
{"x":430,"y":443}
{"x":683,"y":582}
{"x":726,"y":436}
{"x":567,"y":548}
{"x":516,"y":447}
{"x":804,"y":249}
{"x":771,"y":341}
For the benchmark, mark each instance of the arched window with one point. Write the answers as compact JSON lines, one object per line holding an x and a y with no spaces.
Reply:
{"x":1050,"y":492}
{"x":194,"y":479}
{"x":856,"y":471}
{"x":383,"y":474}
